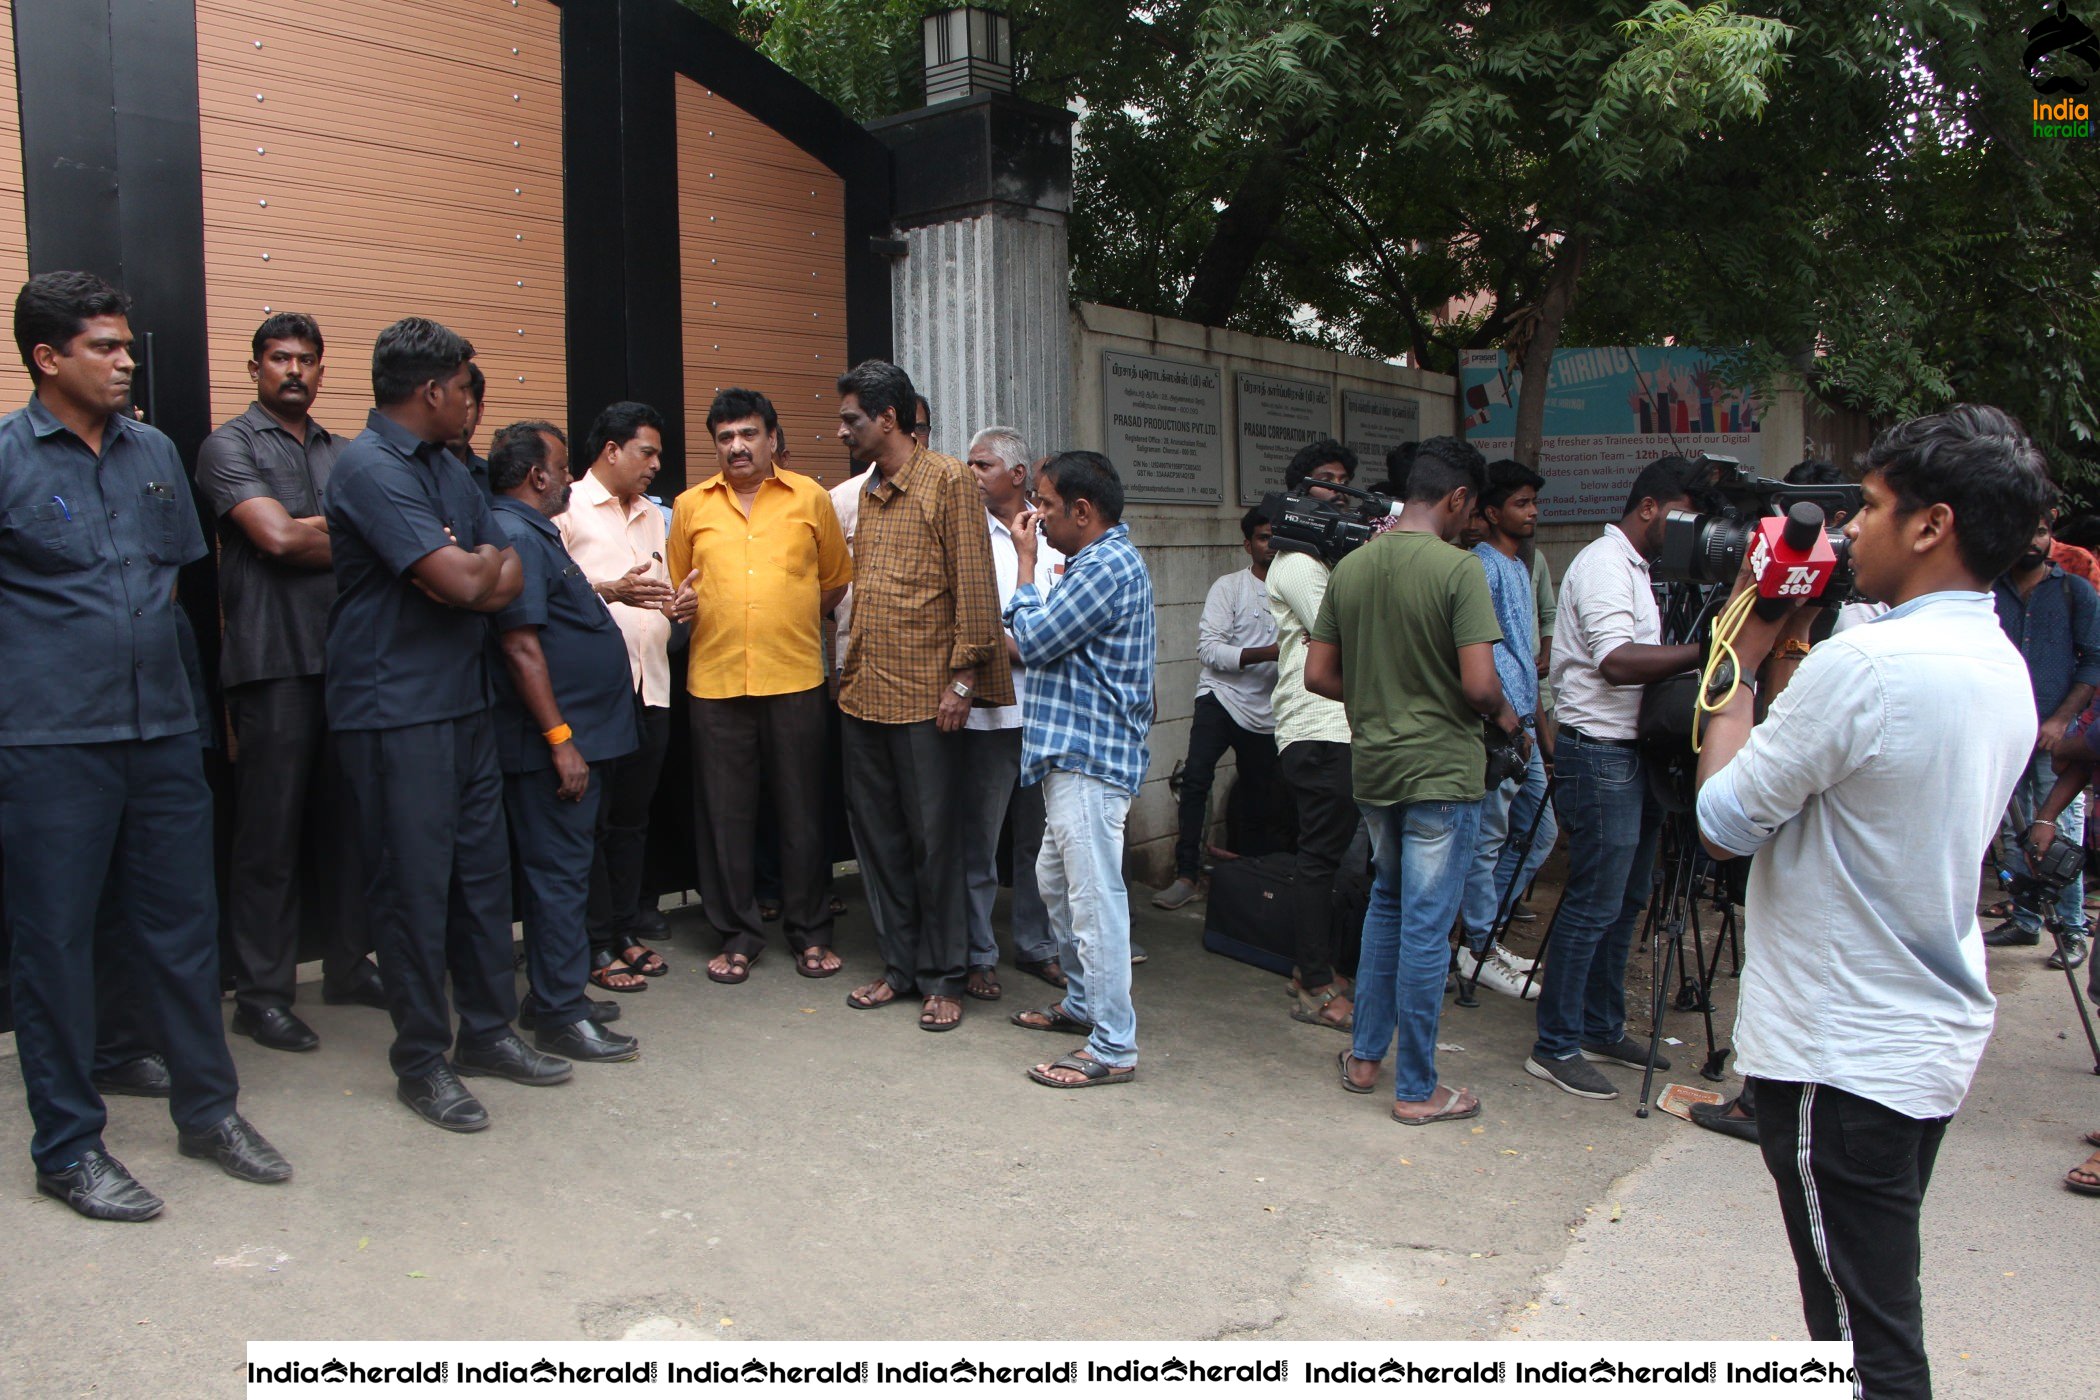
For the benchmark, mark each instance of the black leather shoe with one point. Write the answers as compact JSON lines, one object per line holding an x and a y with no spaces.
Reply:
{"x":99,"y":1188}
{"x":2010,"y":935}
{"x":441,"y":1099}
{"x":143,"y":1078}
{"x":367,"y":990}
{"x":240,"y":1151}
{"x":588,"y":1041}
{"x":511,"y":1058}
{"x":650,"y":921}
{"x":274,"y":1027}
{"x":603,"y":1012}
{"x":1718,"y":1117}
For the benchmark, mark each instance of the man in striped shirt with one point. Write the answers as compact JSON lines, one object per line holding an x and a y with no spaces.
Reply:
{"x":1089,"y":649}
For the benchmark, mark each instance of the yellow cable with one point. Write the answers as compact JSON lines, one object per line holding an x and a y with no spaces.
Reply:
{"x":1726,"y":627}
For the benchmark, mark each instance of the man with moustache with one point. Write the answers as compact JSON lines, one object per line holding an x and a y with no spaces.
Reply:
{"x":762,"y":549}
{"x":265,"y":474}
{"x":98,"y":740}
{"x":563,"y":709}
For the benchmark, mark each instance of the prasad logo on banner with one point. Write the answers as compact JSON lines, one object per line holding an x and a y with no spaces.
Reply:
{"x":1276,"y":418}
{"x":1162,"y":424}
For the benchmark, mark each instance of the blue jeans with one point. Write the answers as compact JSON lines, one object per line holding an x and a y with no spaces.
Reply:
{"x":1603,"y":803}
{"x":1421,"y":848}
{"x":1506,"y":814}
{"x":2027,"y":799}
{"x":1080,"y":873}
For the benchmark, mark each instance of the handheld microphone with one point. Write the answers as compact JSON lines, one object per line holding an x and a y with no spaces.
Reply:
{"x":1791,"y":557}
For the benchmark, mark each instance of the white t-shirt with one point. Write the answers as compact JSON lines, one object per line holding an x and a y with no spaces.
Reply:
{"x":1297,"y":582}
{"x":1606,"y":601}
{"x":1006,"y":571}
{"x":1236,"y":616}
{"x":1868,"y":793}
{"x":845,"y":503}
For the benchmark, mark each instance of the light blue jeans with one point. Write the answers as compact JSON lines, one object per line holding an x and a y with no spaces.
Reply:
{"x":1505,"y":816}
{"x":1421,"y":849}
{"x":2027,"y":799}
{"x":1079,"y":871}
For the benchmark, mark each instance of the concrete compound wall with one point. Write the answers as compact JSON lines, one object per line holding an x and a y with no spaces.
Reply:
{"x":1188,"y":546}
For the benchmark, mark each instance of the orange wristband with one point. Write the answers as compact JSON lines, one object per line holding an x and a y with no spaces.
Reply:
{"x":557,"y":736}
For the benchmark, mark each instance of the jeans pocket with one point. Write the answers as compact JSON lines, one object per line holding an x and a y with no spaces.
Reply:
{"x":1876,"y":1139}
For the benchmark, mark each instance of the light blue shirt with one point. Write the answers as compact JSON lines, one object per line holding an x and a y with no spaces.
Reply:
{"x":1516,"y":608}
{"x":1868,"y":793}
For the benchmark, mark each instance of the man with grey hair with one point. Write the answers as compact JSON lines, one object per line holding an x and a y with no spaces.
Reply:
{"x":992,"y":738}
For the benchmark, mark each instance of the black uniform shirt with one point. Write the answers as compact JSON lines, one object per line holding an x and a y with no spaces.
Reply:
{"x":89,"y":549}
{"x":397,"y":656}
{"x":276,"y":614}
{"x":586,"y":653}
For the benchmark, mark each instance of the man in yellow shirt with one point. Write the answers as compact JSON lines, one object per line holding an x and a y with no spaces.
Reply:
{"x":766,"y":559}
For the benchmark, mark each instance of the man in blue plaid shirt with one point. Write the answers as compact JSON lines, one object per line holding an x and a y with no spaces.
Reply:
{"x":1089,"y":650}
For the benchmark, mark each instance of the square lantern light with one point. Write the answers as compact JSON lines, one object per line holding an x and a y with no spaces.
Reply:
{"x":968,"y":51}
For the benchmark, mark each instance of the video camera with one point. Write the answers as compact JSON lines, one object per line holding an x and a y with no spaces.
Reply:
{"x":1794,"y":552}
{"x":1299,"y":520}
{"x":2047,"y":875}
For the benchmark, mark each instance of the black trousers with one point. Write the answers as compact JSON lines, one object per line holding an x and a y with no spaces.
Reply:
{"x":553,"y":840}
{"x":901,"y":788}
{"x":1212,"y":731}
{"x":629,"y":787}
{"x":746,"y":748}
{"x":1318,"y":774}
{"x":1852,"y":1175}
{"x":75,"y":818}
{"x":428,"y":803}
{"x":285,"y":782}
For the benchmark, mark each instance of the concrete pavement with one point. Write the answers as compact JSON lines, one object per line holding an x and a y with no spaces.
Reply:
{"x":778,"y":1166}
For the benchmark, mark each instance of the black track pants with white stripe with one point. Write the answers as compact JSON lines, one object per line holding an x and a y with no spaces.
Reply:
{"x":1851,"y":1176}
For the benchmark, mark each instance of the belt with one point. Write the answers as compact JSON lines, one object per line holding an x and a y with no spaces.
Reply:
{"x":1593,"y":739}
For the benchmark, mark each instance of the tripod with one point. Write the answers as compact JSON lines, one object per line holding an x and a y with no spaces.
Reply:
{"x":2040,"y":890}
{"x":1673,"y":907}
{"x":1505,"y":910}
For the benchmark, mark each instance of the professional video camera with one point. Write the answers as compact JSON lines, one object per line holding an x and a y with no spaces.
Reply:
{"x":1794,"y":551}
{"x":2038,"y":887}
{"x":1299,"y":520}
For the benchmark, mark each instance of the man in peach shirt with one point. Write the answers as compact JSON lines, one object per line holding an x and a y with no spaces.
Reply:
{"x":616,"y":535}
{"x":763,"y":552}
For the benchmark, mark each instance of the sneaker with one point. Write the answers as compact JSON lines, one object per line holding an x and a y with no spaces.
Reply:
{"x":1177,"y":894}
{"x":1523,"y":913}
{"x":1498,"y":972}
{"x":2077,"y":945}
{"x":1628,"y":1051}
{"x":1138,"y":954}
{"x":2011,"y":934}
{"x":1571,"y":1076}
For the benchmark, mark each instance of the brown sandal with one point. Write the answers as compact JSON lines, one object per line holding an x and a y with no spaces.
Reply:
{"x":810,"y":963}
{"x":737,"y":973}
{"x":928,"y":1008}
{"x":605,"y":967}
{"x":1462,"y":1104}
{"x":984,"y":984}
{"x":2085,"y":1177}
{"x":1311,"y":1007}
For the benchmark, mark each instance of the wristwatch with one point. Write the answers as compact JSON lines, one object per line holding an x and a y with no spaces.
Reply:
{"x":960,"y":689}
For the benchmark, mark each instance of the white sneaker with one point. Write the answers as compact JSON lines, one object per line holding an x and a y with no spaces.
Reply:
{"x":1497,"y":973}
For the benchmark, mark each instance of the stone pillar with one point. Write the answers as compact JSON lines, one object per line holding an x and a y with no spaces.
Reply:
{"x":981,"y":307}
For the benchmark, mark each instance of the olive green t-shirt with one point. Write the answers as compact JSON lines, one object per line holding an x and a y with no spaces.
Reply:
{"x":1400,"y":608}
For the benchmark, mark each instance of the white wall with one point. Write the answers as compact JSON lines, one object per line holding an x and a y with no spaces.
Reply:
{"x":1187,"y":546}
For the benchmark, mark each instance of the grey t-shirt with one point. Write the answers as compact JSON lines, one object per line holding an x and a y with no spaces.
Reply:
{"x":276,"y":614}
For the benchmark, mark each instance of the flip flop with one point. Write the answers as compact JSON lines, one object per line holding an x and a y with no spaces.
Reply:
{"x":926,"y":1012}
{"x":858,"y":1003}
{"x":739,"y":971}
{"x":1054,"y":1019}
{"x":983,"y":984}
{"x":1096,"y":1074}
{"x":815,"y":968}
{"x":1452,"y":1114}
{"x":1049,"y":969}
{"x":1341,"y":1062}
{"x":2092,"y":1139}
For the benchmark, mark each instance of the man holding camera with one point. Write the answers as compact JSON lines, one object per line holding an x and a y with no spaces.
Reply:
{"x":1873,"y":782}
{"x":1609,"y":645}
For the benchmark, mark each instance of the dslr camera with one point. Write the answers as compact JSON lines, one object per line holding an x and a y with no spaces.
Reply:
{"x":1795,"y":550}
{"x":1299,"y":520}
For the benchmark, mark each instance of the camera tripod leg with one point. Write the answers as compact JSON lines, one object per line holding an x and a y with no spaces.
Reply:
{"x":1506,"y":908}
{"x":2085,"y":1017}
{"x":1663,"y":956}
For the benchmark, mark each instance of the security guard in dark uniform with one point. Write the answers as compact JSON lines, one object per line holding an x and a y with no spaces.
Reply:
{"x":98,"y":736}
{"x":564,"y":706}
{"x":419,"y":566}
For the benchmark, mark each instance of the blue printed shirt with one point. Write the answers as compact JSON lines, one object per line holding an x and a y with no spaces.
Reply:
{"x":2057,"y":629}
{"x":1089,"y":648}
{"x":1516,"y":609}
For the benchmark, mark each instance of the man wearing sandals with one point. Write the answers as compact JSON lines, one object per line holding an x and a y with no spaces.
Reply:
{"x":1405,"y":640}
{"x":763,"y":547}
{"x":1877,"y":776}
{"x":1089,"y":649}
